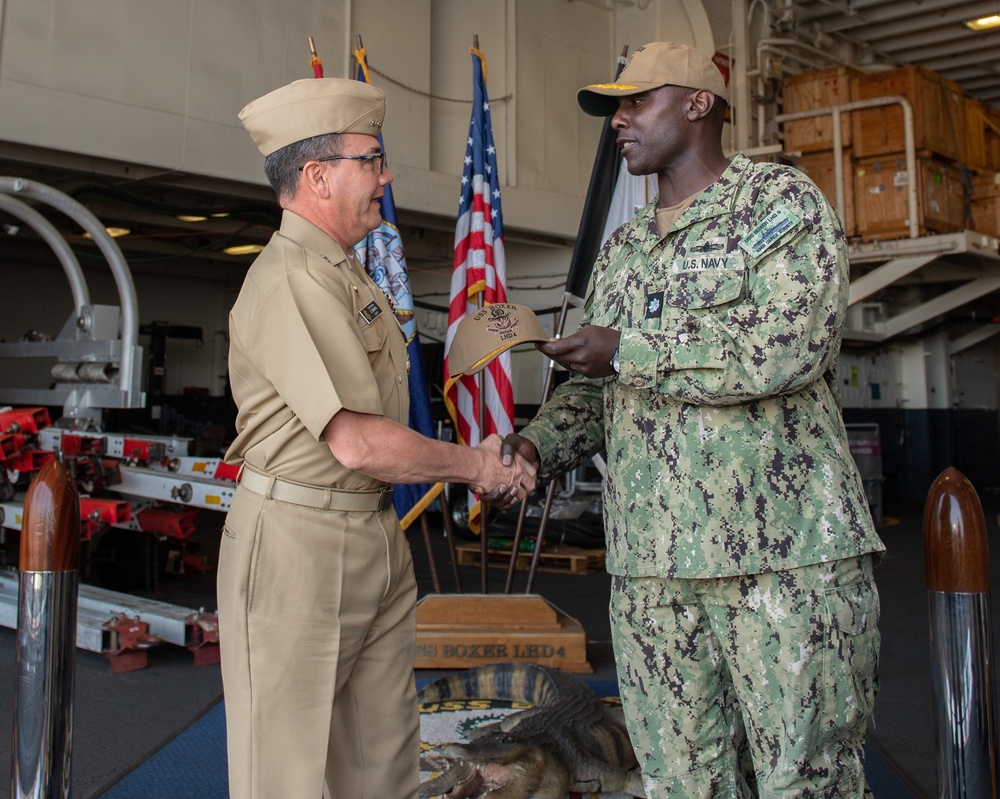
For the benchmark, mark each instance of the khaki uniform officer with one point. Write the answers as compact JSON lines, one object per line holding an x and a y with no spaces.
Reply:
{"x":316,"y":589}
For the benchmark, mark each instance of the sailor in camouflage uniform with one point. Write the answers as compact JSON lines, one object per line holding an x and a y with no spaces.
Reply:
{"x":739,"y":538}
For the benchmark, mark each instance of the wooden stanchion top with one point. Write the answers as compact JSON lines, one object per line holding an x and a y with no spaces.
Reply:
{"x":50,"y":527}
{"x":956,"y":550}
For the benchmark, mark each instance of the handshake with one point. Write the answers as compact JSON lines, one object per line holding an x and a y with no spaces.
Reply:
{"x":509,"y":470}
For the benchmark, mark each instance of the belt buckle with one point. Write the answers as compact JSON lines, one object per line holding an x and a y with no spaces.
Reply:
{"x":384,"y":500}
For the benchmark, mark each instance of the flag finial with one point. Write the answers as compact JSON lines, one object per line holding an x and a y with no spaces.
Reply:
{"x":314,"y":60}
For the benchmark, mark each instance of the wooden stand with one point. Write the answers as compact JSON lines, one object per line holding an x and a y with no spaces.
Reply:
{"x":458,"y":631}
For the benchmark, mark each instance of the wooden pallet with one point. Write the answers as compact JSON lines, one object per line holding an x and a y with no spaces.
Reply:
{"x":567,"y":559}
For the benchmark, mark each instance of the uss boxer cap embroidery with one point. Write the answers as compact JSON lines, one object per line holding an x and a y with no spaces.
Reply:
{"x":650,"y":67}
{"x":490,"y":331}
{"x":313,"y":107}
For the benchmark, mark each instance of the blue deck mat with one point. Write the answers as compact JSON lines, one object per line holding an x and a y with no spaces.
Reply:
{"x":192,"y":765}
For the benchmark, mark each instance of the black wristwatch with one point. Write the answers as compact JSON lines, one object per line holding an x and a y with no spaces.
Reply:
{"x":616,"y":362}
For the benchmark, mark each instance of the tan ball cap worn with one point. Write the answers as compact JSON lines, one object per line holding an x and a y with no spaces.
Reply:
{"x":650,"y":67}
{"x":313,"y":107}
{"x":490,"y":331}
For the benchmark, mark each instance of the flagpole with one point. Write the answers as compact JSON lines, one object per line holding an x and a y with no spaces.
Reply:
{"x":420,"y":417}
{"x":314,"y":60}
{"x":582,"y":251}
{"x":484,"y":568}
{"x":525,"y":628}
{"x":480,"y":404}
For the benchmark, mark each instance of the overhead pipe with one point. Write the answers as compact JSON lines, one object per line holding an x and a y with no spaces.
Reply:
{"x":956,"y":562}
{"x":821,"y":56}
{"x":817,"y":59}
{"x":42,"y":741}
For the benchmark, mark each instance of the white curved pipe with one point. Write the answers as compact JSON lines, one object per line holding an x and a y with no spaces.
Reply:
{"x":107,"y":245}
{"x":52,"y":237}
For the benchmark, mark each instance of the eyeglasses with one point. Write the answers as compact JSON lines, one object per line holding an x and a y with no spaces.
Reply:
{"x":382,"y":160}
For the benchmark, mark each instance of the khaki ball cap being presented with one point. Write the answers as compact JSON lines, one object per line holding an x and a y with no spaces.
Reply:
{"x":313,"y":107}
{"x":650,"y":67}
{"x":490,"y":331}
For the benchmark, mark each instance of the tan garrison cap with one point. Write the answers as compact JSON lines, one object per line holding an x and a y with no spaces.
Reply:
{"x":650,"y":67}
{"x":313,"y":107}
{"x":490,"y":331}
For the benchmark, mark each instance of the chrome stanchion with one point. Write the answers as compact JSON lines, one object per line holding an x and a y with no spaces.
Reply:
{"x":41,"y":746}
{"x":956,"y":557}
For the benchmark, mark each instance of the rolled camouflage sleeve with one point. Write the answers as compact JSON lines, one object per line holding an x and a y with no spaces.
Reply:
{"x":569,"y":428}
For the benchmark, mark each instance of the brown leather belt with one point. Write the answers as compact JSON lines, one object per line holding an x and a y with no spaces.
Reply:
{"x":273,"y":487}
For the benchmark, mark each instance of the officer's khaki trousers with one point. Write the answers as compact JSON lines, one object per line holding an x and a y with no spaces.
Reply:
{"x":317,"y":631}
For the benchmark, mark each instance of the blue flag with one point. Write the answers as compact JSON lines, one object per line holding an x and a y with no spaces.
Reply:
{"x":382,"y":254}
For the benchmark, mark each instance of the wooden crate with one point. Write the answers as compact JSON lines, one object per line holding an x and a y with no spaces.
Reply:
{"x":880,"y":197}
{"x":986,"y":204}
{"x":938,"y":113}
{"x":567,"y":559}
{"x":819,"y":167}
{"x":974,"y":151}
{"x":810,"y":90}
{"x":986,"y":216}
{"x":986,"y":186}
{"x":992,"y":134}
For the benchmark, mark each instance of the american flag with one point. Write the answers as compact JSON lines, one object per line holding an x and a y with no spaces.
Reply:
{"x":479,"y":271}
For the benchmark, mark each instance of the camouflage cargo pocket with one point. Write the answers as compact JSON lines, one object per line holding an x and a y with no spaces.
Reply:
{"x":850,"y":668}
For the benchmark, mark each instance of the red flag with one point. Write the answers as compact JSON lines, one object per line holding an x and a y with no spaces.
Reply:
{"x":478,"y":276}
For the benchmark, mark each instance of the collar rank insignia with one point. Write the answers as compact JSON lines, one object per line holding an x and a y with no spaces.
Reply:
{"x":654,"y":305}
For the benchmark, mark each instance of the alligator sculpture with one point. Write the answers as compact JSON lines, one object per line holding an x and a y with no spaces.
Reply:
{"x":569,"y":741}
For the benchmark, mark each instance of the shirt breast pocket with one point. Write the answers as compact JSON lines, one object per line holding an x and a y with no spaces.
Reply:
{"x":704,"y":288}
{"x":371,"y":320}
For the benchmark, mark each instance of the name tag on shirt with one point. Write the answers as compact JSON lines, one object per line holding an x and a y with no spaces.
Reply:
{"x":771,"y":228}
{"x":370,"y":312}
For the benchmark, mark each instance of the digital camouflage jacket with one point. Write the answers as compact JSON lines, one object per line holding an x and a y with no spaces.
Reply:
{"x":726,"y":450}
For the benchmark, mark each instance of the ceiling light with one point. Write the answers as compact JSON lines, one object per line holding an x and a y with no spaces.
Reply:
{"x":984,"y":23}
{"x":221,"y":215}
{"x":191,"y":218}
{"x":114,"y":232}
{"x":243,"y":249}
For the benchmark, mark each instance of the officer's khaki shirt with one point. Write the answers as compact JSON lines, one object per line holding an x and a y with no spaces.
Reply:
{"x":726,"y":449}
{"x":309,"y":335}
